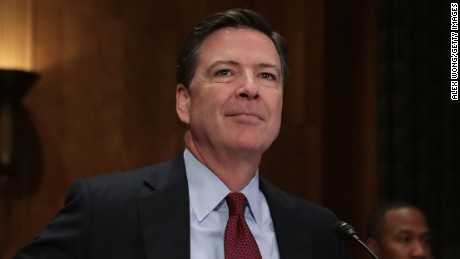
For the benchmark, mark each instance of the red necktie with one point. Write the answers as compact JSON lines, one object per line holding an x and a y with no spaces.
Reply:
{"x":238,"y":241}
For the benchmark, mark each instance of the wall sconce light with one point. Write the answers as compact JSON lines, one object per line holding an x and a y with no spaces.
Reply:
{"x":16,"y":78}
{"x":14,"y":85}
{"x":20,"y":156}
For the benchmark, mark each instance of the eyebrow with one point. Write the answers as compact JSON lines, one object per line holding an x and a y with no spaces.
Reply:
{"x":272,"y":66}
{"x":405,"y":231}
{"x":234,"y":63}
{"x":411,"y":232}
{"x":222,"y":62}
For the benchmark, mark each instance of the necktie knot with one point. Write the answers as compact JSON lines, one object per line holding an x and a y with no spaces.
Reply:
{"x":236,"y":202}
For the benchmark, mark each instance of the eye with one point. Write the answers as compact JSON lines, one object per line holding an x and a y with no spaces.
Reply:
{"x":426,"y":240}
{"x":224,"y":73}
{"x":405,"y":239}
{"x":268,"y":76}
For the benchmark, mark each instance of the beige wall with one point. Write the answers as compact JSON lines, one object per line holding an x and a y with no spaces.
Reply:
{"x":105,"y":101}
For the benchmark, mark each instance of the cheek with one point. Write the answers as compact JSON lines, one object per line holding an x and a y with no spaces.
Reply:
{"x":277,"y":109}
{"x":280,"y":108}
{"x":206,"y":106}
{"x":396,"y":249}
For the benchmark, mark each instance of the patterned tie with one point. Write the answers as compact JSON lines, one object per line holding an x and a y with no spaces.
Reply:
{"x":238,"y":241}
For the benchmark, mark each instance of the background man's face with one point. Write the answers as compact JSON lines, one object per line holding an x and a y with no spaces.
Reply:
{"x":405,"y":234}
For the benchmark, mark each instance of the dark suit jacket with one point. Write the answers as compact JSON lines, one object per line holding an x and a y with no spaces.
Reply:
{"x":144,"y":214}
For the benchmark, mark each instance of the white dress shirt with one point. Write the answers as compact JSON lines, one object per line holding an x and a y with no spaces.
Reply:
{"x":209,"y":213}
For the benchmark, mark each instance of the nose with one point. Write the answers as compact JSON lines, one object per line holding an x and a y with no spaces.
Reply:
{"x":420,"y":250}
{"x":249,"y":89}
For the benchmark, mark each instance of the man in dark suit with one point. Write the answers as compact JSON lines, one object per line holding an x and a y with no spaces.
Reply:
{"x":231,"y":72}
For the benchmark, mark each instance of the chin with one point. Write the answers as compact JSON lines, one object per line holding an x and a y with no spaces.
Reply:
{"x":250,"y":141}
{"x":251,"y":147}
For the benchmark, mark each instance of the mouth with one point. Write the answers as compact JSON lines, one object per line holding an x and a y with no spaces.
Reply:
{"x":246,"y":113}
{"x":247,"y":117}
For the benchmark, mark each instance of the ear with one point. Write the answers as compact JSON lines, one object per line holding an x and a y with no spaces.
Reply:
{"x":183,"y":103}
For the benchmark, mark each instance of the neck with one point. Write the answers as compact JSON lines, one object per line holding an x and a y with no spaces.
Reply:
{"x":234,"y":169}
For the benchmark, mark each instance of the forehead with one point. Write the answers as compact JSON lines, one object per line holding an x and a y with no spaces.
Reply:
{"x":230,"y":43}
{"x":404,"y":219}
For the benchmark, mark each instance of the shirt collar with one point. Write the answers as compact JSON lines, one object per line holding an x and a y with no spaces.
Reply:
{"x":207,"y":191}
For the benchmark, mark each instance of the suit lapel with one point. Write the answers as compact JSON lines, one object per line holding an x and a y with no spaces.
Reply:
{"x":164,"y":212}
{"x":292,"y":243}
{"x":165,"y":216}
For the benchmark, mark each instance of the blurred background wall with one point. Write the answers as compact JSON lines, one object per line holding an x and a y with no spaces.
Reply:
{"x":419,"y":126}
{"x":367,"y":113}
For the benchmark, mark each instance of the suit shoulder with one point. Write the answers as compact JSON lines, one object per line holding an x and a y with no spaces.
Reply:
{"x":138,"y":173}
{"x":304,"y":208}
{"x":121,"y":177}
{"x":136,"y":181}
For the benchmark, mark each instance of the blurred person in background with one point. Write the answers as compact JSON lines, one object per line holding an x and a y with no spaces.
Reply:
{"x":399,"y":230}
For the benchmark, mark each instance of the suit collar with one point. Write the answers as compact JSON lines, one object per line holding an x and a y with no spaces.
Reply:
{"x":288,"y":226}
{"x":164,"y":212}
{"x":169,"y":200}
{"x":167,"y":173}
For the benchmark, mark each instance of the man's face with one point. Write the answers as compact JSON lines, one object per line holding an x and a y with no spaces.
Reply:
{"x":405,"y":234}
{"x":235,"y":98}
